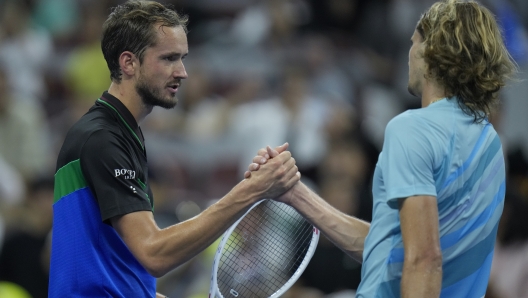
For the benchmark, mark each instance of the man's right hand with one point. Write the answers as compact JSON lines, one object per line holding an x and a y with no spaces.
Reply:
{"x":263,"y":155}
{"x":276,"y":175}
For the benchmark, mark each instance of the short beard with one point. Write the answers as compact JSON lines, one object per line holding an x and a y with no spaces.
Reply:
{"x":152,"y":98}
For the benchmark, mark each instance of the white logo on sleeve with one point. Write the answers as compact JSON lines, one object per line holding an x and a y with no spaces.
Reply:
{"x":127,"y":174}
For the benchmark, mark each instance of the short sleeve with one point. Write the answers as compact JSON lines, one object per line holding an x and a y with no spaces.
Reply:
{"x":408,"y":159}
{"x":113,"y":175}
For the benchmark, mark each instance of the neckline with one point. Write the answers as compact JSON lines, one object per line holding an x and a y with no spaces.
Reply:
{"x":124,"y":114}
{"x":435,"y":101}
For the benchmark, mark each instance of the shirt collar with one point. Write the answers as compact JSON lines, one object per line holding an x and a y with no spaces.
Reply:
{"x":123,"y":111}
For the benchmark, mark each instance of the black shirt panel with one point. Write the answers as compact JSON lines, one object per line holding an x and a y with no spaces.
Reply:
{"x":105,"y":139}
{"x":115,"y":173}
{"x":125,"y":113}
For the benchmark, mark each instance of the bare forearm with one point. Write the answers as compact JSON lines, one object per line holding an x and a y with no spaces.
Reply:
{"x":423,"y":279}
{"x":346,"y":232}
{"x":160,"y":251}
{"x":179,"y":243}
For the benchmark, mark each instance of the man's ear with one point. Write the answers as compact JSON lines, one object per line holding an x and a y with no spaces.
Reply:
{"x":128,"y":63}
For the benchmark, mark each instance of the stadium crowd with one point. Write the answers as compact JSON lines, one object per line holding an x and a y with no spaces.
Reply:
{"x":325,"y":76}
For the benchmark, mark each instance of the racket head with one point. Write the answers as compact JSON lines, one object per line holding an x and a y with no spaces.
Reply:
{"x":263,"y":253}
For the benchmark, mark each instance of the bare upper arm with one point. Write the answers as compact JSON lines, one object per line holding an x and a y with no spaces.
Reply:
{"x":137,"y":229}
{"x":419,"y":227}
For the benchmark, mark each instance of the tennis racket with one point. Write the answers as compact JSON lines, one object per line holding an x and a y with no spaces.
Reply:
{"x":263,"y":253}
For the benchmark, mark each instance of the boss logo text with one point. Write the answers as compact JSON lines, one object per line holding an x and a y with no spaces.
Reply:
{"x":127,"y":174}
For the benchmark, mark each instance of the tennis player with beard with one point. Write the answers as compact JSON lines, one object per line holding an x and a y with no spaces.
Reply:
{"x":105,"y":241}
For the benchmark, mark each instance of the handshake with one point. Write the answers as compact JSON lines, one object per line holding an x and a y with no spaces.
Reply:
{"x":275,"y":174}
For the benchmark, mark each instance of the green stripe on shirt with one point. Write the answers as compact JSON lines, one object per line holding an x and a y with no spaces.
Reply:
{"x":68,"y":179}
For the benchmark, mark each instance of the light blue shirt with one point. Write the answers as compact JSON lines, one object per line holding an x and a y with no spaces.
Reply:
{"x":437,"y":151}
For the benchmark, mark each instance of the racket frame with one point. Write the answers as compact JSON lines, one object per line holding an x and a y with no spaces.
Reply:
{"x":214,"y":291}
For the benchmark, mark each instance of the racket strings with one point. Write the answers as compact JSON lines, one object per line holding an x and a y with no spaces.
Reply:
{"x":264,"y":251}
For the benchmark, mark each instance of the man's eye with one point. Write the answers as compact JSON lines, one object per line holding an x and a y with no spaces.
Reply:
{"x":171,"y":58}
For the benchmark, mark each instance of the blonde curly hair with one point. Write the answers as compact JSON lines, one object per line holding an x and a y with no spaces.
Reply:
{"x":465,"y":53}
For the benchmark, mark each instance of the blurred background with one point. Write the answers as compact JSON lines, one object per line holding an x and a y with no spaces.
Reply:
{"x":324,"y":75}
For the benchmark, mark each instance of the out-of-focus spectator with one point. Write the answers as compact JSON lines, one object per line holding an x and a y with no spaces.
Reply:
{"x":344,"y":123}
{"x":326,"y":75}
{"x":206,"y":114}
{"x":379,"y":105}
{"x":292,"y":115}
{"x":86,"y":72}
{"x":514,"y":100}
{"x":24,"y":133}
{"x":24,"y":50}
{"x":50,"y":14}
{"x":24,"y":259}
{"x":12,"y":190}
{"x":509,"y":272}
{"x":272,"y":22}
{"x":12,"y":185}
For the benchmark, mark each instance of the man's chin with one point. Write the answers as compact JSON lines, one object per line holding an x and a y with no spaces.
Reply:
{"x":413,"y":91}
{"x":162,"y":103}
{"x":169,"y":104}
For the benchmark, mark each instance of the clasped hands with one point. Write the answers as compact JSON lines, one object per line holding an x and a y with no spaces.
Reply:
{"x":264,"y":155}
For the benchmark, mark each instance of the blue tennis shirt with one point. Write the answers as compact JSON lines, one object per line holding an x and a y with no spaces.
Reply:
{"x":102,"y":172}
{"x":437,"y":151}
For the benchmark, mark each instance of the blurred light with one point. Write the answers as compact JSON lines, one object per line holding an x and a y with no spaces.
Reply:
{"x":186,"y":210}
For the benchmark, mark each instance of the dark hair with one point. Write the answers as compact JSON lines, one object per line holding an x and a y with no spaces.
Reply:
{"x":131,"y":27}
{"x":465,"y":53}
